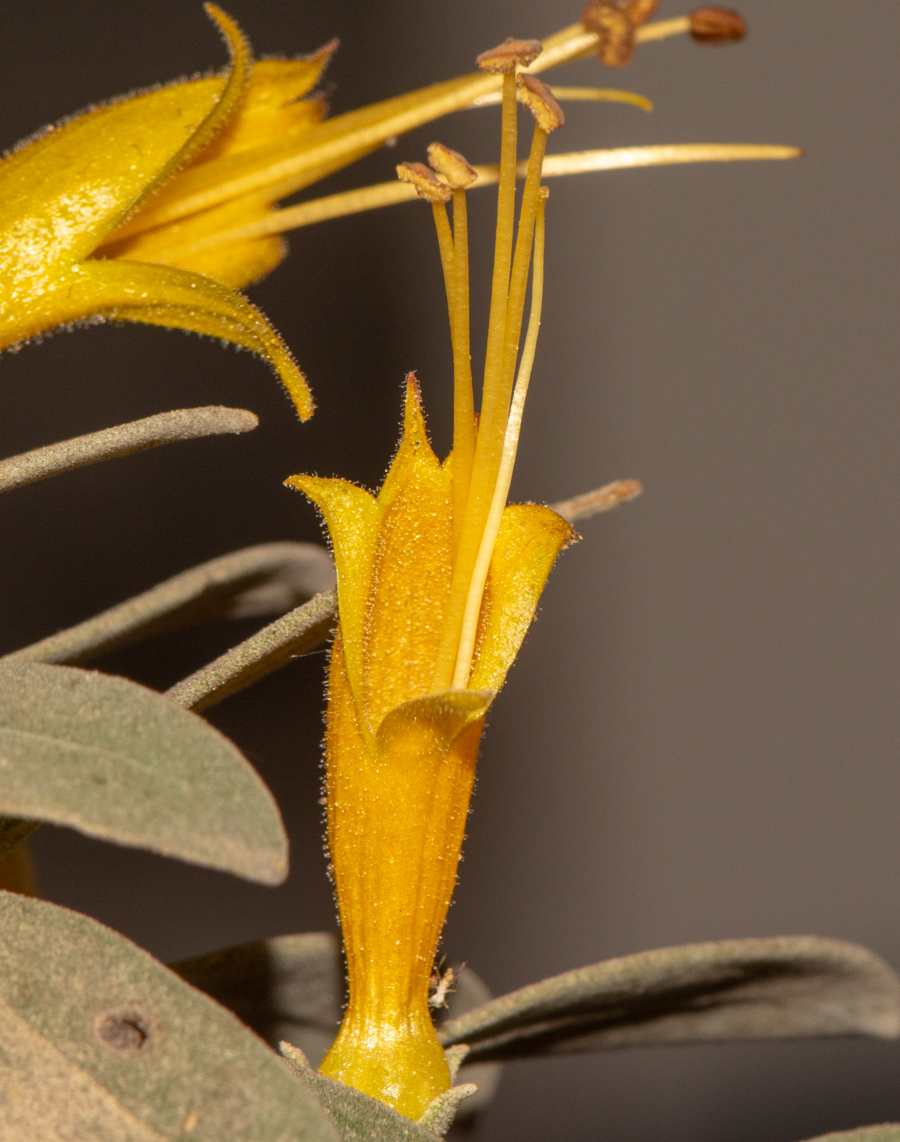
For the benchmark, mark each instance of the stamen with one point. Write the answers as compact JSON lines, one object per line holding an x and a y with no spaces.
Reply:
{"x":622,"y":158}
{"x":601,"y":95}
{"x":506,"y":57}
{"x":495,"y":412}
{"x":717,"y":25}
{"x":507,"y":462}
{"x":549,"y":116}
{"x":575,"y":43}
{"x":426,"y":185}
{"x":498,"y":382}
{"x":538,"y":98}
{"x":457,"y":171}
{"x":438,"y":193}
{"x":463,"y":394}
{"x":614,"y":31}
{"x":499,"y":409}
{"x":448,"y":263}
{"x":639,"y":11}
{"x":663,"y":29}
{"x":506,"y":209}
{"x":574,"y":162}
{"x":580,"y":94}
{"x":430,"y":188}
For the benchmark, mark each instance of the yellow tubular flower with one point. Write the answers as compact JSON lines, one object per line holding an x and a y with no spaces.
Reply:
{"x":156,"y":208}
{"x":436,"y":568}
{"x":62,"y":195}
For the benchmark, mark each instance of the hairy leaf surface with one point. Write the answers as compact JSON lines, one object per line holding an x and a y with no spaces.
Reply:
{"x":783,"y":988}
{"x":103,"y":1044}
{"x":120,"y":762}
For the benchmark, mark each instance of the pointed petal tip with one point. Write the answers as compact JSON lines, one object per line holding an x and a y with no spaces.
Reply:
{"x":294,"y":380}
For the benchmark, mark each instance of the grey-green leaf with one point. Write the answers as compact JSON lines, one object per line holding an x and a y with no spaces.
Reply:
{"x":789,"y":987}
{"x":292,"y":987}
{"x":266,"y":579}
{"x":118,"y":761}
{"x":123,"y":440}
{"x":289,"y":987}
{"x":298,"y":632}
{"x":885,"y":1132}
{"x":103,"y":1044}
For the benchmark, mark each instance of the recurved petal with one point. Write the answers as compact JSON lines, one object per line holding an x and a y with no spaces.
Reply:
{"x":63,"y":193}
{"x":273,"y":105}
{"x":352,"y":517}
{"x":160,"y":295}
{"x":433,"y":723}
{"x":529,"y":540}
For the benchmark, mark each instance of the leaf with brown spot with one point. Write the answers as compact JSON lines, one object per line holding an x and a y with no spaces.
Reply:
{"x":113,"y":1047}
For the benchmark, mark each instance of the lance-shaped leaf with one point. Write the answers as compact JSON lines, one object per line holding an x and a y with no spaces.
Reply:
{"x":120,"y":762}
{"x":265,"y":579}
{"x":292,"y":988}
{"x":294,"y":634}
{"x":782,"y":988}
{"x":101,"y":1043}
{"x":122,"y":440}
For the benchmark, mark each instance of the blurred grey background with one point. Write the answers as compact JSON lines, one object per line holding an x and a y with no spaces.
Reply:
{"x":700,"y":738}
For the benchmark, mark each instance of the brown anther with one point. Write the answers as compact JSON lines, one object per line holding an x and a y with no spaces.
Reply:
{"x":538,"y":98}
{"x":640,"y":11}
{"x":717,"y":25}
{"x":509,"y":55}
{"x":451,"y":164}
{"x":614,"y":30}
{"x":427,"y":186}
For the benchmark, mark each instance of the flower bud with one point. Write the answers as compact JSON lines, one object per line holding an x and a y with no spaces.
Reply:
{"x":452,"y":165}
{"x":424,"y":181}
{"x":717,"y":25}
{"x":509,"y":55}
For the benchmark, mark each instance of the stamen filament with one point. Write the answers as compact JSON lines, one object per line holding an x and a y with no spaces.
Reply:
{"x":463,"y":396}
{"x":601,"y":95}
{"x":481,"y":484}
{"x":574,"y":162}
{"x":519,"y":278}
{"x":492,"y":431}
{"x":507,"y":462}
{"x":282,"y":170}
{"x":580,"y":94}
{"x":506,"y":211}
{"x":663,"y":29}
{"x":445,"y":243}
